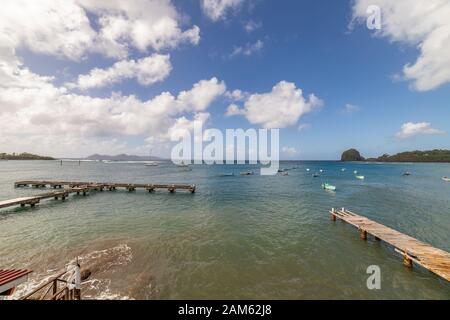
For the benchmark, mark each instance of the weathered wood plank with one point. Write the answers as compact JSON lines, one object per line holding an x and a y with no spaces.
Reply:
{"x":425,"y":255}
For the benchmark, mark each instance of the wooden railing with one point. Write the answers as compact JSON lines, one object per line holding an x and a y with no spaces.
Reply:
{"x":64,"y":286}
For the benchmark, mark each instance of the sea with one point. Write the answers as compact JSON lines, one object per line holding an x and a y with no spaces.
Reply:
{"x":237,"y":237}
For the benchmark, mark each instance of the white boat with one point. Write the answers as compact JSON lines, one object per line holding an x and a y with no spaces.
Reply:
{"x":355,"y":172}
{"x":182,"y":165}
{"x":343,"y":169}
{"x":321,"y":170}
{"x":152,"y":164}
{"x":446,"y":179}
{"x":329,"y":187}
{"x":360,"y":177}
{"x":308,"y":169}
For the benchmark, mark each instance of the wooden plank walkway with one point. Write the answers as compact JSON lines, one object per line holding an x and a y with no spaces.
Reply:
{"x":412,"y":250}
{"x":82,"y":188}
{"x":105,"y":185}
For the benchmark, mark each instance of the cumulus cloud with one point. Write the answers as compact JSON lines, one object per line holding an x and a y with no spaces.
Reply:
{"x":64,"y":27}
{"x":411,"y":129}
{"x":234,"y":110}
{"x":59,"y":122}
{"x":350,"y":108}
{"x":218,"y":9}
{"x":251,"y":26}
{"x":424,"y":24}
{"x":248,"y":49}
{"x":201,"y":95}
{"x":282,"y":107}
{"x":147,"y":71}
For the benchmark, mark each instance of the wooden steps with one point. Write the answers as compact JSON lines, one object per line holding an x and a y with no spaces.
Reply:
{"x":412,"y":250}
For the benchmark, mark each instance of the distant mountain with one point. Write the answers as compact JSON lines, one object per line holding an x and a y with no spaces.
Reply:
{"x":121,"y":157}
{"x":410,"y":156}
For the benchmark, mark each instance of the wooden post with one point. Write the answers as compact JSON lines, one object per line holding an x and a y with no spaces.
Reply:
{"x":77,"y":294}
{"x":363,"y":234}
{"x":54,"y":287}
{"x":407,"y":261}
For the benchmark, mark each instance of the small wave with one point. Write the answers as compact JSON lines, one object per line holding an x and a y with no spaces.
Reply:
{"x":98,"y":262}
{"x":97,"y":289}
{"x":104,"y":260}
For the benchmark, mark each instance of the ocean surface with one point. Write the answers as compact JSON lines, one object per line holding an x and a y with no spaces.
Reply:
{"x":240,"y":237}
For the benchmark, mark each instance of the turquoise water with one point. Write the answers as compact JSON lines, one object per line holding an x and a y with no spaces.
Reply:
{"x":240,"y":237}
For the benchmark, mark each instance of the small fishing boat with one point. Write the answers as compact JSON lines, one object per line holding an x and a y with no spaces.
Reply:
{"x":343,"y":169}
{"x":446,"y":179}
{"x":247,"y":173}
{"x":182,"y":165}
{"x":316,"y":175}
{"x":321,"y":170}
{"x":407,"y":173}
{"x":329,"y":187}
{"x":308,"y":169}
{"x":281,"y":170}
{"x":284,"y":173}
{"x":355,"y":172}
{"x":152,"y":164}
{"x":227,"y":175}
{"x":360,"y":177}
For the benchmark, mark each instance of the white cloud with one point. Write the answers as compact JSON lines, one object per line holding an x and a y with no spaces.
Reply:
{"x":411,"y":129}
{"x":350,"y":108}
{"x":251,"y":26}
{"x":63,"y":27}
{"x":236,"y":95}
{"x":201,"y":95}
{"x":57,"y":122}
{"x":218,"y":9}
{"x":147,"y":71}
{"x":289,"y":151}
{"x":280,"y":108}
{"x":304,"y":127}
{"x":425,"y":24}
{"x":248,"y":49}
{"x":234,"y":110}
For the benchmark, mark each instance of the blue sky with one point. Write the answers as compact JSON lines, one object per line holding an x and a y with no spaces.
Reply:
{"x":306,"y":43}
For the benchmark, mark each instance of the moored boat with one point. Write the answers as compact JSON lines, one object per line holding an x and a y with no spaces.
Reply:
{"x":329,"y":187}
{"x":360,"y":177}
{"x":446,"y":179}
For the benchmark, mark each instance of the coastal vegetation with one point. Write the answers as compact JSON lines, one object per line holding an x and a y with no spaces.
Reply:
{"x":23,"y":156}
{"x":436,"y":155}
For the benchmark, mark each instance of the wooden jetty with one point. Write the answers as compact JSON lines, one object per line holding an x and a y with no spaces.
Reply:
{"x":33,"y":200}
{"x":100,"y":186}
{"x":412,"y":250}
{"x":67,"y":188}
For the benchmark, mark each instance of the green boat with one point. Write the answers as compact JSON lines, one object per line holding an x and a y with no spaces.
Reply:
{"x":327,"y":186}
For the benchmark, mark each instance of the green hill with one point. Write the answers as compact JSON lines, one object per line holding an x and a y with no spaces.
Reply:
{"x":410,"y":156}
{"x":23,"y":156}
